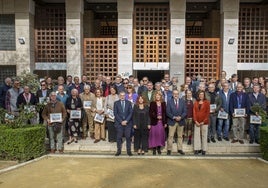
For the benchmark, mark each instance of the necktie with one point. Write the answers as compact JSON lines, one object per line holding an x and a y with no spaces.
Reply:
{"x":123,"y":106}
{"x":176,"y":103}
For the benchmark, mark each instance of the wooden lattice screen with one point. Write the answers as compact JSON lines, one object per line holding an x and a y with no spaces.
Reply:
{"x":253,"y":34}
{"x":50,"y":34}
{"x":202,"y":56}
{"x":100,"y":57}
{"x":151,"y":28}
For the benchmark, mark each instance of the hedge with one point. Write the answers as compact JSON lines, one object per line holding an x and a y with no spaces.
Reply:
{"x":264,"y":142}
{"x":22,"y":144}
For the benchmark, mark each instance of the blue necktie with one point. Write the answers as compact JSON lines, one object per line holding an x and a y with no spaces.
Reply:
{"x":123,"y":105}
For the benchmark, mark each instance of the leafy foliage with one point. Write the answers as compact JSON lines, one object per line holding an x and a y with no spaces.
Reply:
{"x":264,"y":142}
{"x":29,"y":79}
{"x":22,"y":143}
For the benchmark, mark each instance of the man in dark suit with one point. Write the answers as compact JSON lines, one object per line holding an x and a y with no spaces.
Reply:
{"x":176,"y":113}
{"x":123,"y":122}
{"x":238,"y":100}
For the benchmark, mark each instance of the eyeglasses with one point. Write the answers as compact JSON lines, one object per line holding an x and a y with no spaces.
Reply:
{"x":43,"y":84}
{"x":125,"y":83}
{"x":145,"y":80}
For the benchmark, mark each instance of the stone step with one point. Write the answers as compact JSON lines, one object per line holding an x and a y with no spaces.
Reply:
{"x":222,"y":147}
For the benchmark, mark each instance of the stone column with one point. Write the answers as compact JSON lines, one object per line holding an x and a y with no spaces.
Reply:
{"x":74,"y":29}
{"x":125,"y":30}
{"x":24,"y":26}
{"x":177,"y":30}
{"x":229,"y":24}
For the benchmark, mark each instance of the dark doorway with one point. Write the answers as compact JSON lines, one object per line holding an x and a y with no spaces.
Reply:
{"x":153,"y":75}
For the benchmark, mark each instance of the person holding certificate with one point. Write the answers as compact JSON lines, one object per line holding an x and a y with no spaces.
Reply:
{"x":54,"y":113}
{"x":238,"y":109}
{"x":224,"y":123}
{"x":73,"y":103}
{"x":108,"y":107}
{"x":255,"y":98}
{"x":215,"y":104}
{"x":87,"y":97}
{"x":98,"y":109}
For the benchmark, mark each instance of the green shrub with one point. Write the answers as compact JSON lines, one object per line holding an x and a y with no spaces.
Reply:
{"x":264,"y":142}
{"x":22,"y":143}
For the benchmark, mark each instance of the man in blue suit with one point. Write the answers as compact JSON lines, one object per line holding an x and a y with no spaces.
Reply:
{"x":176,"y":113}
{"x":123,"y":122}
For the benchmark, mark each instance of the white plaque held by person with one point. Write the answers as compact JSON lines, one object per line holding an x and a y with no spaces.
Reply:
{"x":255,"y":119}
{"x":222,"y":115}
{"x":75,"y":114}
{"x":213,"y":108}
{"x":239,"y":112}
{"x":87,"y":104}
{"x":55,"y":117}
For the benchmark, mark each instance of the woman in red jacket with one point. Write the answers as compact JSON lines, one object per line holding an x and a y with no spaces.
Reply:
{"x":201,"y":113}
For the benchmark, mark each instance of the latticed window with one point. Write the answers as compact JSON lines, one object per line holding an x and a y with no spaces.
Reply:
{"x":253,"y":34}
{"x":50,"y":34}
{"x":151,"y":33}
{"x":7,"y":32}
{"x":7,"y":71}
{"x":202,"y":57}
{"x":100,"y":57}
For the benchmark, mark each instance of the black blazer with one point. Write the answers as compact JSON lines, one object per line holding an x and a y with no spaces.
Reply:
{"x":21,"y":100}
{"x":153,"y":113}
{"x":141,"y":117}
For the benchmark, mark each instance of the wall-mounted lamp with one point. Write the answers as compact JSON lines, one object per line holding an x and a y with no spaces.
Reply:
{"x":72,"y":40}
{"x":124,"y":40}
{"x":231,"y":41}
{"x":177,"y":40}
{"x":21,"y":40}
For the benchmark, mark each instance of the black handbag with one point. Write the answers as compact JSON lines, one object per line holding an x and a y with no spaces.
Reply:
{"x":56,"y":127}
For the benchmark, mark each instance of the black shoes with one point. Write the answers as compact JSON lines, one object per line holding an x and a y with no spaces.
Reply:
{"x":189,"y":142}
{"x":154,"y":151}
{"x":118,"y":153}
{"x":168,"y":152}
{"x":196,"y":152}
{"x":129,"y":153}
{"x":203,"y":152}
{"x":181,"y":152}
{"x":251,"y":141}
{"x":159,"y":150}
{"x":213,"y":140}
{"x":226,"y":138}
{"x":208,"y":140}
{"x":219,"y":139}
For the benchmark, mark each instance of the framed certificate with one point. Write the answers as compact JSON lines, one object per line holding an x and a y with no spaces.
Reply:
{"x":29,"y":108}
{"x":213,"y":108}
{"x":9,"y":117}
{"x":42,"y":100}
{"x":110,"y":113}
{"x":239,"y":112}
{"x":75,"y":114}
{"x":255,"y":119}
{"x":222,"y":115}
{"x":87,"y":104}
{"x":99,"y":118}
{"x":55,"y":117}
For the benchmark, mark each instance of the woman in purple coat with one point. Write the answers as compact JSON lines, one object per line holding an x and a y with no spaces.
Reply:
{"x":157,"y":114}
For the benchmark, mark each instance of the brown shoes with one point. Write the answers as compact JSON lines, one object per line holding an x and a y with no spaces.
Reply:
{"x":61,"y":151}
{"x":52,"y":151}
{"x":234,"y":141}
{"x":241,"y":141}
{"x":96,"y":141}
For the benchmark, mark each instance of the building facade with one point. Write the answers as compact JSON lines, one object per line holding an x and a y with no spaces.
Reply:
{"x":134,"y":37}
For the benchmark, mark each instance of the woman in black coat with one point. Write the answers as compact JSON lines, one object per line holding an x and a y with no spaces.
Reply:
{"x":141,"y":123}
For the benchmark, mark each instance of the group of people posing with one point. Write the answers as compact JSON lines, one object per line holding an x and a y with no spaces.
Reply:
{"x":151,"y":116}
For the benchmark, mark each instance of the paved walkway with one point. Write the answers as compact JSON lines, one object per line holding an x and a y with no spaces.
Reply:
{"x":82,"y":171}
